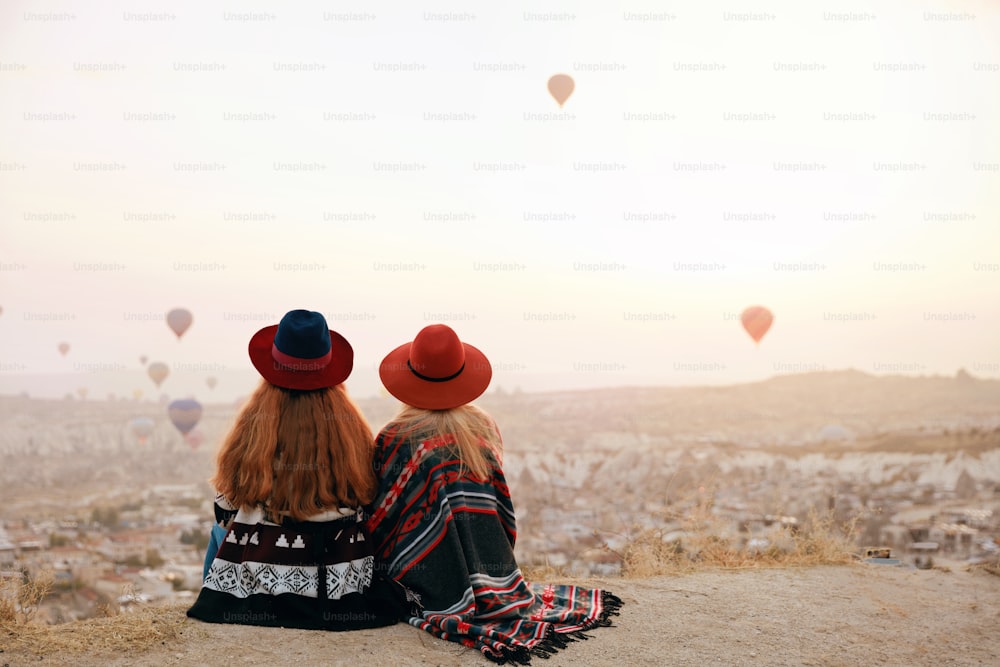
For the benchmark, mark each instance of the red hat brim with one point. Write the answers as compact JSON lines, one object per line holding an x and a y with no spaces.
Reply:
{"x":334,"y":373}
{"x":401,"y":382}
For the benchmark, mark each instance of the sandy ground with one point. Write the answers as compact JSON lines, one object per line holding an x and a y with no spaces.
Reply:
{"x":862,"y":614}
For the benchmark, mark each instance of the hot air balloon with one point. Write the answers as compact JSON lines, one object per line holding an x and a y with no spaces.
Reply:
{"x":143,"y":359}
{"x":141,"y":428}
{"x":194,"y":438}
{"x":756,"y":320}
{"x":211,"y":382}
{"x":81,"y":392}
{"x":63,"y":348}
{"x":561,"y":87}
{"x":179,"y":319}
{"x":184,"y":413}
{"x":137,"y":393}
{"x":158,"y":371}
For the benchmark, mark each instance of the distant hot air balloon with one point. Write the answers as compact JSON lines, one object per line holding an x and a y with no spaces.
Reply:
{"x":184,"y":413}
{"x":756,"y":320}
{"x":179,"y":319}
{"x":211,"y":382}
{"x":158,"y":371}
{"x":63,"y":348}
{"x":81,"y":392}
{"x":141,"y":428}
{"x":143,"y":359}
{"x":194,"y":438}
{"x":137,"y":393}
{"x":561,"y":87}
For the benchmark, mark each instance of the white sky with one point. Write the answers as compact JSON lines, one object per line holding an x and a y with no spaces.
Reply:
{"x":96,"y":62}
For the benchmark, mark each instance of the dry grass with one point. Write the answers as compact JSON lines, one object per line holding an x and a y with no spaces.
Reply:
{"x":20,"y":598}
{"x":544,"y":572}
{"x":705,"y":543}
{"x":20,"y":631}
{"x":990,"y":566}
{"x":128,"y":633}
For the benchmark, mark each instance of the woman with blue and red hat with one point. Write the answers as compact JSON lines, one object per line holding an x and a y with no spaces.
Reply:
{"x":292,"y":477}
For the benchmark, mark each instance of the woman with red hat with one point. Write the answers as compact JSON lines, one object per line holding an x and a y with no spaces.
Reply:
{"x":442,"y":519}
{"x":292,"y":477}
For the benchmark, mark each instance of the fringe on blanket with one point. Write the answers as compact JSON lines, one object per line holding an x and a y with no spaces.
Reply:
{"x":556,"y":641}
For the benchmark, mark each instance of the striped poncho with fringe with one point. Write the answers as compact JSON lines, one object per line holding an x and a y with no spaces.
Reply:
{"x":449,"y":539}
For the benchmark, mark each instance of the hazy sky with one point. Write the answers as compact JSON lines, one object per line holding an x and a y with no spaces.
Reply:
{"x":393,"y":165}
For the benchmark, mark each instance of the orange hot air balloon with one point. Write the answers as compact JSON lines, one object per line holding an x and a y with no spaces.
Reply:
{"x":179,"y":319}
{"x":561,"y":87}
{"x":63,"y":348}
{"x":158,"y":372}
{"x":756,"y":320}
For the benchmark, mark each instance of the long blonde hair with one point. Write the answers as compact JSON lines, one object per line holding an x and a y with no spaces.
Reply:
{"x":474,"y":431}
{"x":298,"y":453}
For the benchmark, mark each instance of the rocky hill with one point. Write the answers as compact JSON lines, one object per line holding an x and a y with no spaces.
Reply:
{"x":836,"y":616}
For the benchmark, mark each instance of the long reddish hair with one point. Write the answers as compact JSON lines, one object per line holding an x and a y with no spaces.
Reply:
{"x":298,"y":453}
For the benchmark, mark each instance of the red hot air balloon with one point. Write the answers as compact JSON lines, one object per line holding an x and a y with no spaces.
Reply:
{"x":63,"y":348}
{"x":158,"y":372}
{"x":184,"y":413}
{"x":194,"y":439}
{"x":756,"y":320}
{"x":561,"y":87}
{"x":179,"y":319}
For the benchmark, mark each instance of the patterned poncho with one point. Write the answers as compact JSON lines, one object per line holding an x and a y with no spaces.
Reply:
{"x":449,"y":539}
{"x":317,"y":574}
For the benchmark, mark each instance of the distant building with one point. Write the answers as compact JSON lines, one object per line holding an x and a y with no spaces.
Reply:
{"x":895,"y":535}
{"x":8,"y":550}
{"x":120,"y":547}
{"x":953,"y":536}
{"x":923,"y":553}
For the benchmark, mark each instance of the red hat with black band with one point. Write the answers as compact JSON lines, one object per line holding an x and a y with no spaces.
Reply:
{"x":436,"y":371}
